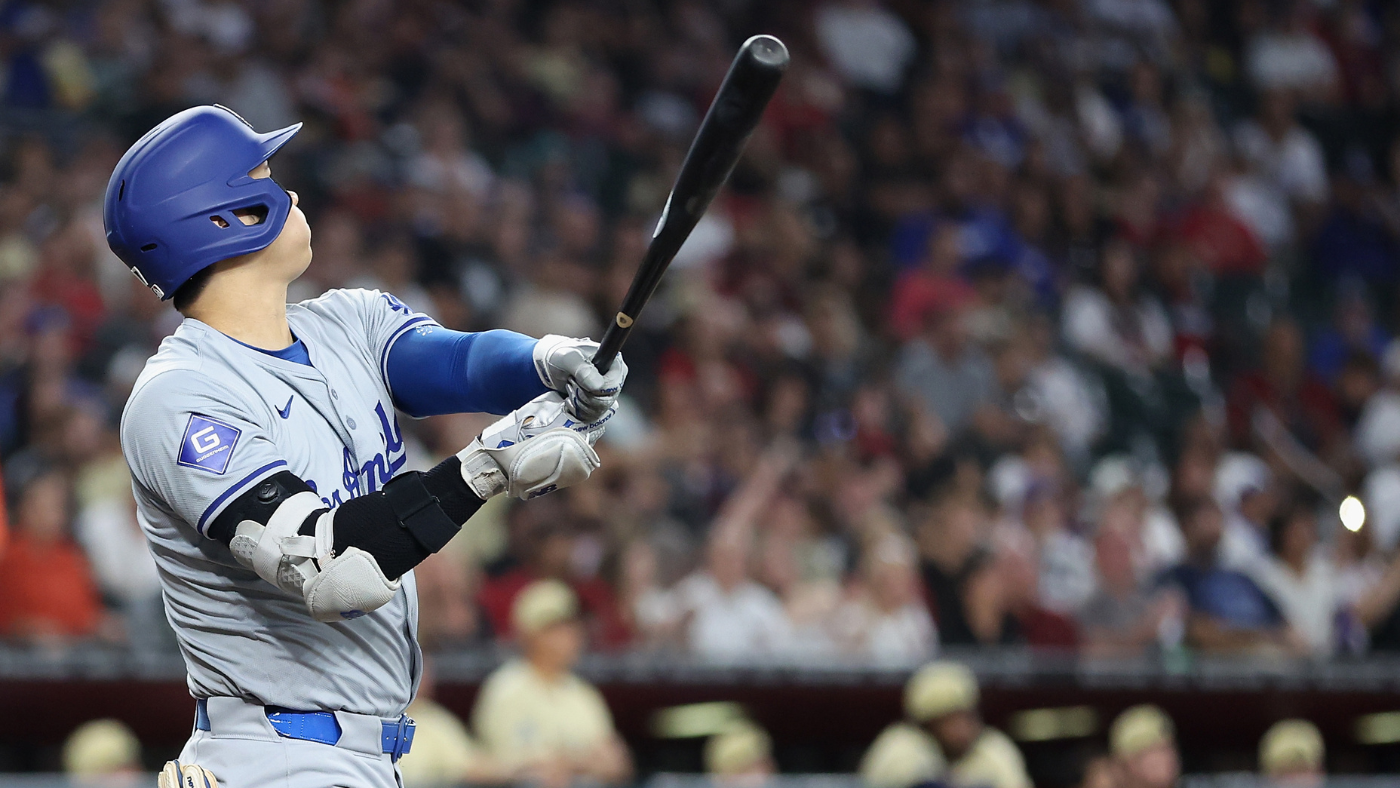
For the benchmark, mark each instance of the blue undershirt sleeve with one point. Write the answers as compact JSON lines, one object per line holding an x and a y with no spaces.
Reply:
{"x":432,"y":370}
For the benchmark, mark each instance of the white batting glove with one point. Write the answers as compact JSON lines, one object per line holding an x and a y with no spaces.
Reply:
{"x":185,"y":775}
{"x":537,"y":449}
{"x":566,"y":366}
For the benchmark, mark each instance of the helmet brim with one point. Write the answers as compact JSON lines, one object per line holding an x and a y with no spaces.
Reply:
{"x":271,"y":142}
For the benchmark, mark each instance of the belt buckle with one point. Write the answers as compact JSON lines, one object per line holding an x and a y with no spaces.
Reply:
{"x":403,"y":737}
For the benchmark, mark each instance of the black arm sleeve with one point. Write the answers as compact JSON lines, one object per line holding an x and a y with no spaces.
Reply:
{"x":411,"y":518}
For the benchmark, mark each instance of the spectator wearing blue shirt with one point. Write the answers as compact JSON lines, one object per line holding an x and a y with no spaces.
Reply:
{"x":1228,"y":613}
{"x":1353,"y":330}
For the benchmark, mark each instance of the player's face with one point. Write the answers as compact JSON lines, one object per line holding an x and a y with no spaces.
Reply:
{"x":293,"y":246}
{"x":557,"y":646}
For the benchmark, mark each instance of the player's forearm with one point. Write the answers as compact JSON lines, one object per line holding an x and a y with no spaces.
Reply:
{"x":374,"y":523}
{"x":436,"y":370}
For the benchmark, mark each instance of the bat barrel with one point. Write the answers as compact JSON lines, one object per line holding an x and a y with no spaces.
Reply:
{"x":752,"y":79}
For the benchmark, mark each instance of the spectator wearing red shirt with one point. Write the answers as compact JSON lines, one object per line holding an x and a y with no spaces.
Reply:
{"x":1282,"y":385}
{"x":4,"y":520}
{"x":934,"y":286}
{"x":549,"y":554}
{"x":46,"y":590}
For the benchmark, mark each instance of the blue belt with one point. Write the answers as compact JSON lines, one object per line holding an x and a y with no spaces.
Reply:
{"x":321,"y":726}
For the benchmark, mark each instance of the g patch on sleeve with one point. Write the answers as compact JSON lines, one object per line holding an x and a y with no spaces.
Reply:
{"x":208,"y":444}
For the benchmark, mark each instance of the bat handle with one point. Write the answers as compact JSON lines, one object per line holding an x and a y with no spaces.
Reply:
{"x":611,"y":345}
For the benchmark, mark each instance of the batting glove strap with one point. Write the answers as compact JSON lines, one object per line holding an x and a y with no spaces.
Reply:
{"x":535,"y":450}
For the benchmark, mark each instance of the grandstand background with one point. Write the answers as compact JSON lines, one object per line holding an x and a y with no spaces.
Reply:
{"x":1055,"y":337}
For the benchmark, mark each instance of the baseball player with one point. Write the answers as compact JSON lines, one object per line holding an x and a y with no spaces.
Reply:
{"x":267,"y":461}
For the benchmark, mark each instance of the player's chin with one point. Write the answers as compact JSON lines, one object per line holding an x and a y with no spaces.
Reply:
{"x":300,"y":233}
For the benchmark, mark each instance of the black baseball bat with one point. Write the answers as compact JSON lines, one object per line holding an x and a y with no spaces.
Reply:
{"x":750,"y":83}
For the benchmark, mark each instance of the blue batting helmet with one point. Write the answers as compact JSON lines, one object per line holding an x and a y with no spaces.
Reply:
{"x":170,"y":202}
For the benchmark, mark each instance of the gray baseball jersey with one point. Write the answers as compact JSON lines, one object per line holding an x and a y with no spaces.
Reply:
{"x":208,"y":419}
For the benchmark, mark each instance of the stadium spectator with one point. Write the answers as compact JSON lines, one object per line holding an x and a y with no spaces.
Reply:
{"x":1246,"y":492}
{"x":534,"y":715}
{"x":548,"y":541}
{"x":1113,"y":322}
{"x":943,"y":370}
{"x":1125,"y":616}
{"x":731,"y":616}
{"x":1228,"y":611}
{"x":951,"y":544}
{"x":1143,"y":742}
{"x":46,"y":591}
{"x":1283,"y":387}
{"x":1300,"y":577}
{"x":886,"y":620}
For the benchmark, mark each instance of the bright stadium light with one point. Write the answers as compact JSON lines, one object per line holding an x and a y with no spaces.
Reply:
{"x":1353,"y":513}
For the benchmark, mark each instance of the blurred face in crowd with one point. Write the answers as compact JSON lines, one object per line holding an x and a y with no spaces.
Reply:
{"x":951,"y":532}
{"x":944,"y":250}
{"x":1202,"y":528}
{"x":1155,"y":767}
{"x":891,"y":575}
{"x":1257,"y":505}
{"x":956,"y":732}
{"x":1120,"y":271}
{"x":1044,"y":513}
{"x":1113,"y":556}
{"x":556,"y":549}
{"x":43,"y":508}
{"x":1195,"y":475}
{"x":946,"y":332}
{"x":728,"y":561}
{"x":1276,"y":112}
{"x":555,"y":648}
{"x":1283,"y":354}
{"x":1297,"y":538}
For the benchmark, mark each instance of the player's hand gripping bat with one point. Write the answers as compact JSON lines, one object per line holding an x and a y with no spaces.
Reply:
{"x":752,"y":78}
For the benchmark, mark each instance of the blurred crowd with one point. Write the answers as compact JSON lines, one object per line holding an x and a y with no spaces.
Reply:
{"x":1060,"y":323}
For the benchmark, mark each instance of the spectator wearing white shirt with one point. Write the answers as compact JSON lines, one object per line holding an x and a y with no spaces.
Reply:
{"x":867,"y":44}
{"x":1245,"y":491}
{"x":1301,"y":578}
{"x":1289,"y":56}
{"x":731,"y":617}
{"x":887,"y":621}
{"x":1282,"y":151}
{"x":1116,"y":323}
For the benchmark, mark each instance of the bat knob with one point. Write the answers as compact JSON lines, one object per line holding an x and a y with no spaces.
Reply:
{"x":767,"y":51}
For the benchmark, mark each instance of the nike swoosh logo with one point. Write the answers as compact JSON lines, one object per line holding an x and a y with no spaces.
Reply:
{"x":287,"y":411}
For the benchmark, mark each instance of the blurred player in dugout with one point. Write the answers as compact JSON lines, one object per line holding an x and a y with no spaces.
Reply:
{"x":1292,"y":755}
{"x":534,"y":714}
{"x":535,"y":721}
{"x":1143,"y":743}
{"x":943,"y":738}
